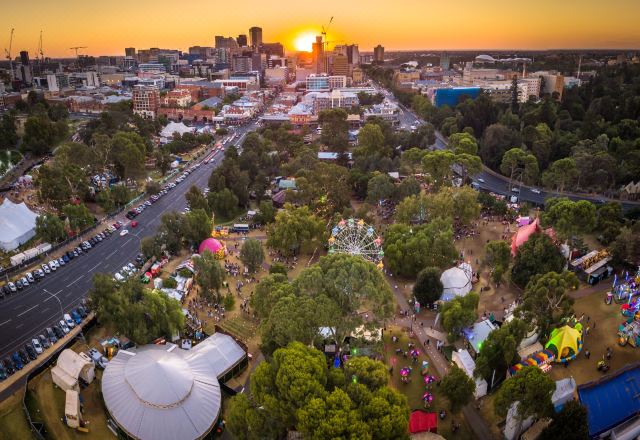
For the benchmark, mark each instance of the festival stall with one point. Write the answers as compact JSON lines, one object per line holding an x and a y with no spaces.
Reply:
{"x":565,"y":343}
{"x":465,"y":362}
{"x":541,"y":359}
{"x":592,"y":267}
{"x":624,"y":291}
{"x":476,"y":335}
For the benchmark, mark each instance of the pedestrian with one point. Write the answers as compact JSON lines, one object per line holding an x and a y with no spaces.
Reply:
{"x":587,"y":354}
{"x":594,"y":325}
{"x":428,"y":341}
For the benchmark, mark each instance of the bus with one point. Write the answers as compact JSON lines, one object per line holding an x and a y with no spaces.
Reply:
{"x":240,"y":227}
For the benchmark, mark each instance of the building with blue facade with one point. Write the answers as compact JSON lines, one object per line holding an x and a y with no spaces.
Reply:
{"x":451,"y":96}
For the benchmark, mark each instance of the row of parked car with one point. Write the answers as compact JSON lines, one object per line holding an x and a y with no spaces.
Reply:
{"x":129,"y":269}
{"x":50,"y":335}
{"x":35,"y":275}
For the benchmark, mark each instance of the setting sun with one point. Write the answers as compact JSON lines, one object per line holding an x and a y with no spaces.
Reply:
{"x":304,"y":42}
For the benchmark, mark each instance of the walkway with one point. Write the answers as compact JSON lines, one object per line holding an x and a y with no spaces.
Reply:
{"x":423,"y":332}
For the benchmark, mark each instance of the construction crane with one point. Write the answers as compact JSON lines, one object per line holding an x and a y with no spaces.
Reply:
{"x":8,"y":55}
{"x":77,"y":56}
{"x":40,"y":53}
{"x":324,"y":34}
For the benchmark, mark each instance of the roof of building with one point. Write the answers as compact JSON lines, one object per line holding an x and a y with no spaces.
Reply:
{"x":422,"y":421}
{"x":478,"y":333}
{"x":611,"y":400}
{"x":210,"y":102}
{"x":175,"y":127}
{"x":164,"y":392}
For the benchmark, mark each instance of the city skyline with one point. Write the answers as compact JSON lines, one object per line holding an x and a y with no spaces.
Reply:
{"x":409,"y":25}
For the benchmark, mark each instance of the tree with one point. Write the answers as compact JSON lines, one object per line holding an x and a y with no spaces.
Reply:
{"x":546,"y":299}
{"x":408,"y":187}
{"x":498,"y":255}
{"x":500,"y":350}
{"x":626,"y":247}
{"x":497,"y":139}
{"x":209,"y":276}
{"x":569,"y":218}
{"x":538,"y":255}
{"x":413,"y":209}
{"x":270,"y":289}
{"x":438,"y":165}
{"x":197,"y":200}
{"x":150,"y":247}
{"x":428,"y":287}
{"x":252,"y":254}
{"x":518,"y":161}
{"x":223,"y":203}
{"x":335,"y":129}
{"x":373,"y":374}
{"x":171,"y":231}
{"x":50,"y":228}
{"x":531,"y":388}
{"x":571,"y":423}
{"x":8,"y":133}
{"x":295,"y":230}
{"x":459,"y":313}
{"x":41,"y":135}
{"x":380,"y":187}
{"x":128,"y":151}
{"x":131,"y":309}
{"x":266,"y":212}
{"x":278,"y":268}
{"x":609,"y":221}
{"x":561,"y":173}
{"x":458,"y":387}
{"x":463,"y":143}
{"x":465,"y":203}
{"x":197,"y":226}
{"x":78,"y":217}
{"x":371,"y":142}
{"x":410,"y":249}
{"x":163,"y":160}
{"x":469,"y":164}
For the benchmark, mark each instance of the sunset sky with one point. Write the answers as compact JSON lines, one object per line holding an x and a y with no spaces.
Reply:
{"x":107,"y":27}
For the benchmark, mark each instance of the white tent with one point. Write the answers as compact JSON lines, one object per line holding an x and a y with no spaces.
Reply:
{"x":70,"y":367}
{"x":456,"y":281}
{"x":17,"y":224}
{"x":465,"y":362}
{"x":175,"y":127}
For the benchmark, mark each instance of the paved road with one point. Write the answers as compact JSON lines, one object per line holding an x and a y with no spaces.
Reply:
{"x":28,"y":312}
{"x":489,"y":180}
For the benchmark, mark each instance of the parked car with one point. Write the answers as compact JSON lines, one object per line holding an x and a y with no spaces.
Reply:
{"x":53,"y":265}
{"x":44,"y":341}
{"x":24,"y":281}
{"x":82,"y":312}
{"x":124,"y":232}
{"x":53,"y":338}
{"x":63,"y":326}
{"x":70,"y":255}
{"x":535,"y":190}
{"x":134,"y":224}
{"x":61,"y":262}
{"x":39,"y":273}
{"x":8,"y":366}
{"x":30,"y":277}
{"x":12,"y":287}
{"x":6,"y":290}
{"x":57,"y":330}
{"x":3,"y":372}
{"x":76,"y":317}
{"x":118,"y":277}
{"x":69,"y":321}
{"x":31,"y":352}
{"x":17,"y":361}
{"x":37,"y":346}
{"x":19,"y":285}
{"x":65,"y":258}
{"x":24,"y":357}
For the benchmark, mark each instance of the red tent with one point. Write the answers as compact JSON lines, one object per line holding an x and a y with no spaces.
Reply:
{"x":422,"y":421}
{"x":523,"y":233}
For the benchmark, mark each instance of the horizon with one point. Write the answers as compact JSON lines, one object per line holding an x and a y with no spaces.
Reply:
{"x":589,"y":25}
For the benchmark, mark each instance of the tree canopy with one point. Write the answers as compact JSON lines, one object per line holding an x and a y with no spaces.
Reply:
{"x":538,"y":255}
{"x":458,"y":387}
{"x":428,"y":287}
{"x":531,"y":388}
{"x":295,"y":230}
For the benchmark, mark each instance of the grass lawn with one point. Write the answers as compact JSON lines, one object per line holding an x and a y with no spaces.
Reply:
{"x":13,"y":423}
{"x":416,"y":388}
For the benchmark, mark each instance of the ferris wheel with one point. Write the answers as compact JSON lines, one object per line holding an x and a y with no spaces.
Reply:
{"x":355,"y":237}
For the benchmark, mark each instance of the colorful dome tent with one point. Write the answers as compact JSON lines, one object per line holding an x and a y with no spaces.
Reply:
{"x":214,"y":246}
{"x":525,"y":232}
{"x":565,"y":342}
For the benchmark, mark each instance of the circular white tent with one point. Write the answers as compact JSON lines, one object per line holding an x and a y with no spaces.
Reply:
{"x":162,"y":392}
{"x":456,"y":281}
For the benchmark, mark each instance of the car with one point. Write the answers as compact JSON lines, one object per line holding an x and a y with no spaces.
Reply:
{"x":69,"y":321}
{"x":134,"y":224}
{"x":118,"y":277}
{"x":61,"y":262}
{"x":24,"y":357}
{"x":30,"y":277}
{"x":148,"y":203}
{"x":124,"y":232}
{"x":70,"y":255}
{"x":39,"y":273}
{"x":3,"y":372}
{"x":46,"y":268}
{"x":117,"y":225}
{"x":17,"y":361}
{"x":132,"y":267}
{"x":19,"y":285}
{"x":97,"y":358}
{"x":31,"y":351}
{"x":52,"y":265}
{"x":535,"y":190}
{"x":76,"y":317}
{"x":12,"y":287}
{"x":515,"y":189}
{"x":125,"y":271}
{"x":36,"y":346}
{"x":44,"y":341}
{"x":65,"y":258}
{"x":93,"y":241}
{"x":8,"y":366}
{"x":6,"y":290}
{"x":57,"y":331}
{"x":82,"y":312}
{"x":25,"y":282}
{"x":63,"y":326}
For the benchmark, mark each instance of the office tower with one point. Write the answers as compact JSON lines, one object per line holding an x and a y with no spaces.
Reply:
{"x":255,"y":33}
{"x":318,"y":55}
{"x":225,"y":42}
{"x":340,"y":65}
{"x":24,"y":57}
{"x":378,"y":54}
{"x":272,"y":49}
{"x":444,"y":61}
{"x":241,"y":64}
{"x":130,"y":52}
{"x":146,"y":101}
{"x":242,"y":40}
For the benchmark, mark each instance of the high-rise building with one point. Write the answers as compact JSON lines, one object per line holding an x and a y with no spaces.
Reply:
{"x":202,"y":52}
{"x":255,"y":33}
{"x":130,"y":52}
{"x":272,"y":49}
{"x":241,"y":64}
{"x":444,"y":61}
{"x":242,"y":40}
{"x":146,"y":101}
{"x":225,"y":42}
{"x":378,"y":54}
{"x":318,"y":55}
{"x":340,"y":65}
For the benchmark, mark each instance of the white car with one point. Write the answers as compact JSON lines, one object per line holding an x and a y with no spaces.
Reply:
{"x":535,"y":190}
{"x":480,"y":179}
{"x":64,"y":326}
{"x":118,"y":277}
{"x":125,"y":271}
{"x":515,"y":189}
{"x":61,"y":262}
{"x":53,"y":265}
{"x":124,"y":232}
{"x":67,"y":320}
{"x":37,"y":346}
{"x":46,"y":268}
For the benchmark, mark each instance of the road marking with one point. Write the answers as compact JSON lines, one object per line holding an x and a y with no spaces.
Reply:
{"x":75,"y":281}
{"x":95,"y":266}
{"x":8,"y":320}
{"x":123,"y":244}
{"x":109,"y":256}
{"x":44,"y":310}
{"x":28,"y":310}
{"x":19,"y":325}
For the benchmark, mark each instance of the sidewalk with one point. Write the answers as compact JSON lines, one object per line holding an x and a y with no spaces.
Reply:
{"x":424,"y":332}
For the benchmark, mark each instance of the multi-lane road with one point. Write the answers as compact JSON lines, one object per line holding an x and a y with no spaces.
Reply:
{"x":496,"y":183}
{"x":28,"y":312}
